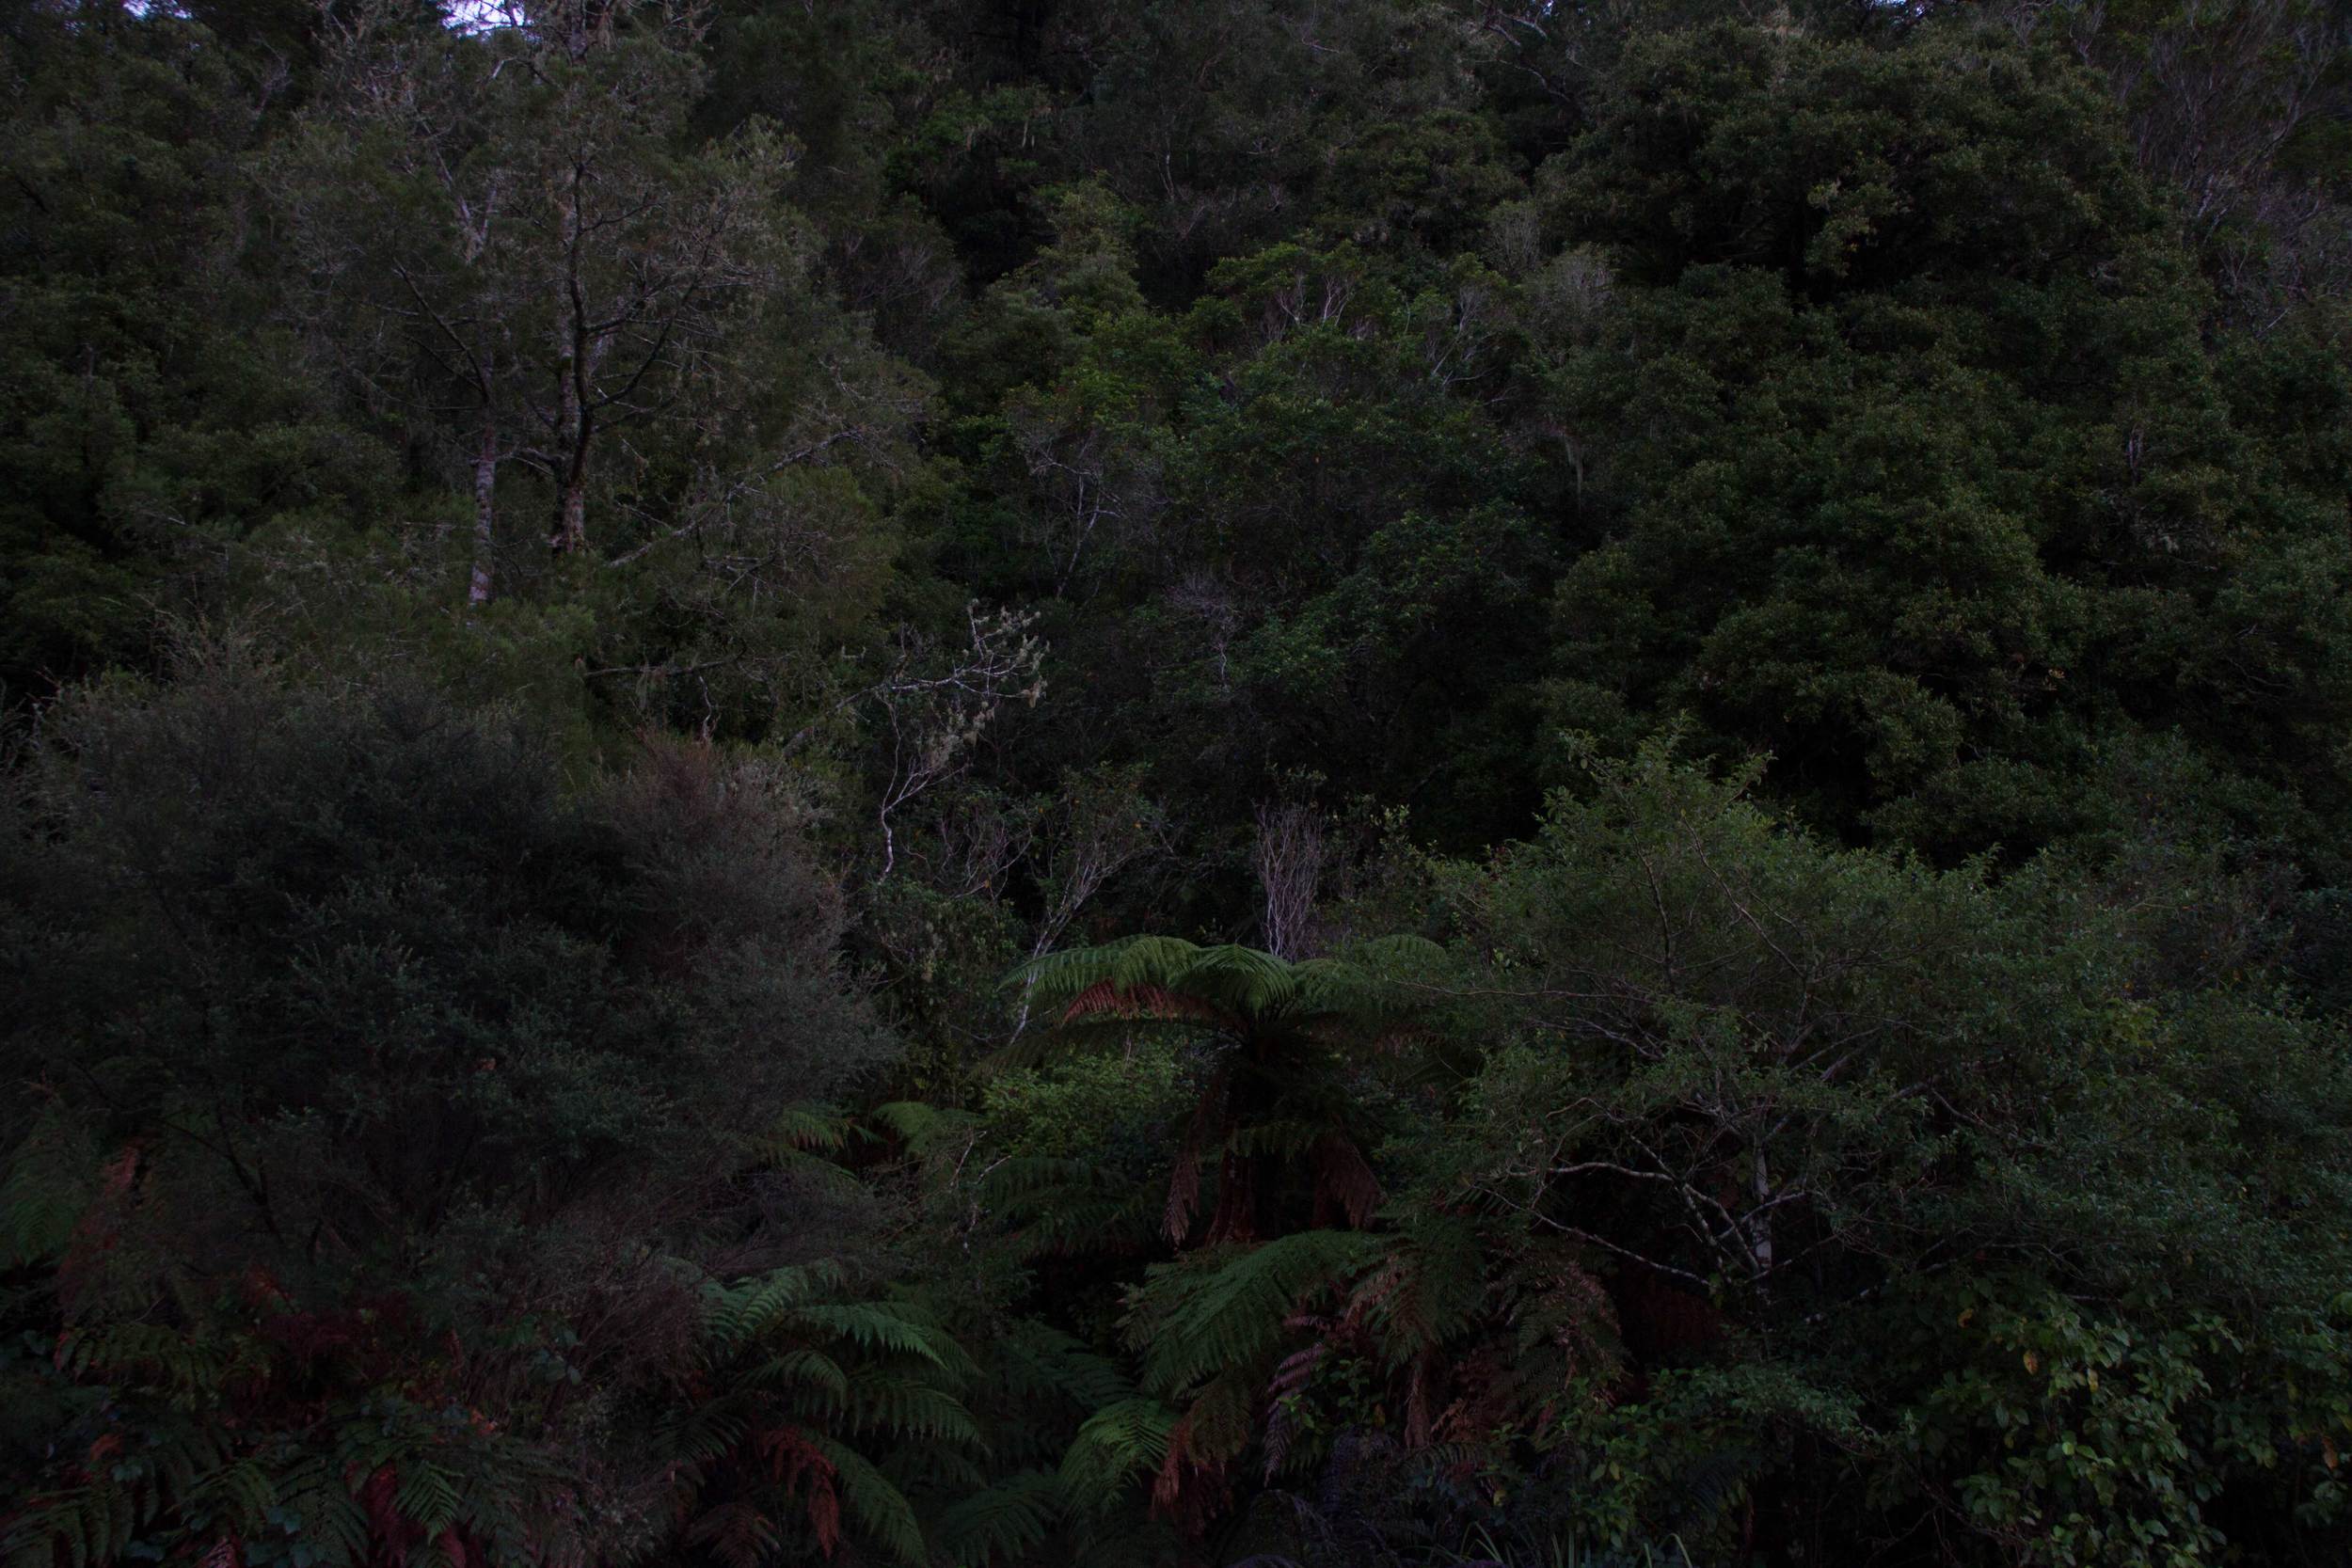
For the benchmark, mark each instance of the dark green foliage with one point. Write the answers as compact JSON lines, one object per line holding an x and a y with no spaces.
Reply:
{"x":994,"y":784}
{"x":148,"y":412}
{"x":366,"y":1073}
{"x":1928,"y":487}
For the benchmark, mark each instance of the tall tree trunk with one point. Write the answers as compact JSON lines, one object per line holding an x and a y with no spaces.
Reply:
{"x":572,"y":520}
{"x":486,"y":479}
{"x":572,"y":368}
{"x":571,"y":480}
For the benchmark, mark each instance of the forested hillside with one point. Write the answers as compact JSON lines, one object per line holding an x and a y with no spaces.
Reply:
{"x":1061,"y":784}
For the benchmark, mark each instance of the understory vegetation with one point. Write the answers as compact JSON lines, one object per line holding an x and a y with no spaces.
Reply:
{"x":1017,"y":783}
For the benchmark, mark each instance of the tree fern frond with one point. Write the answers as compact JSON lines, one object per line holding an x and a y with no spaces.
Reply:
{"x":887,"y":1326}
{"x":1064,"y":1205}
{"x":820,"y":1172}
{"x":736,"y":1313}
{"x":924,"y":1128}
{"x":1116,"y":1447}
{"x":908,"y":1407}
{"x":87,"y":1526}
{"x":880,"y":1510}
{"x":1439,"y":1288}
{"x":943,"y":1470}
{"x":804,"y":1367}
{"x":809,"y":1127}
{"x":1052,"y":978}
{"x":1246,"y":981}
{"x":705,"y":1433}
{"x":1220,"y":1421}
{"x":1036,"y":1360}
{"x":332,"y":1523}
{"x":1193,"y":1319}
{"x":738,"y":1533}
{"x":188,"y":1367}
{"x":1008,"y":1520}
{"x":426,"y":1496}
{"x":240,"y":1491}
{"x":51,"y":1180}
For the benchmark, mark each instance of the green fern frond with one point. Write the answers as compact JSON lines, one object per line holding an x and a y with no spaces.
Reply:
{"x":704,"y":1435}
{"x":1008,"y":1520}
{"x":1246,"y":981}
{"x":908,"y":1407}
{"x":1035,"y":1360}
{"x":734,"y":1313}
{"x":924,"y":1128}
{"x":1116,"y":1447}
{"x":879,"y":1510}
{"x":820,"y":1172}
{"x":1439,"y":1289}
{"x":240,"y":1491}
{"x":1130,"y":963}
{"x":87,"y":1526}
{"x":1011,"y":1181}
{"x":1063,"y":1206}
{"x":1194,"y":1318}
{"x":331,"y":1521}
{"x":806,"y":1368}
{"x":188,"y":1368}
{"x":1221,"y":1419}
{"x":1143,"y":979}
{"x":738,"y":1533}
{"x":809,"y":1127}
{"x":426,"y":1497}
{"x":51,"y":1180}
{"x":885,"y":1326}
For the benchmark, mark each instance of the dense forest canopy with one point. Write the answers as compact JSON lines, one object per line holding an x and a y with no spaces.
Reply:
{"x":1001,"y":784}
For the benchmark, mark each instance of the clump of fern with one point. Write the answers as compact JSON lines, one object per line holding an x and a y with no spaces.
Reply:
{"x":799,"y":1380}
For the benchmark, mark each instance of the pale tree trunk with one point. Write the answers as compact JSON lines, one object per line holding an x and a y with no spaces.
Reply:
{"x":1290,"y":857}
{"x":486,"y":479}
{"x":1761,"y":1219}
{"x":571,"y":515}
{"x":573,"y":521}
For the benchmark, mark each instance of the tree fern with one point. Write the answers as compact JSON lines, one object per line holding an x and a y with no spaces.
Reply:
{"x":1170,"y":979}
{"x":1283,"y":1033}
{"x":804,"y":1382}
{"x":191,"y":1367}
{"x":1115,"y":1448}
{"x":1007,"y":1520}
{"x":1439,"y":1288}
{"x":924,"y":1129}
{"x":810,"y":1127}
{"x":902,"y":1406}
{"x":49,"y":1184}
{"x":1196,"y":1318}
{"x":1059,"y":1205}
{"x":426,"y":1496}
{"x":879,"y":1510}
{"x":885,"y":1326}
{"x":735,"y":1312}
{"x":804,"y":1368}
{"x":1036,"y":1360}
